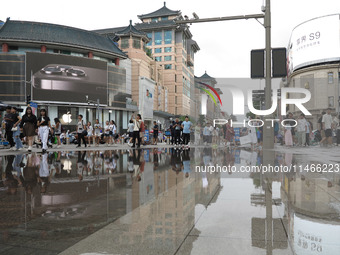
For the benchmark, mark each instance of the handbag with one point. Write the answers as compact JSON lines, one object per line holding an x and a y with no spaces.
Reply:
{"x":14,"y":129}
{"x":84,"y":133}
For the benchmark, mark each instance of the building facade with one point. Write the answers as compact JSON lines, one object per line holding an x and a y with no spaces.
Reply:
{"x":313,"y":61}
{"x":66,"y":70}
{"x":172,"y":47}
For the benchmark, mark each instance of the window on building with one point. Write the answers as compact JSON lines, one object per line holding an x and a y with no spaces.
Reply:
{"x":167,"y":49}
{"x":331,"y":101}
{"x":124,"y":43}
{"x":165,"y":18}
{"x":167,"y":58}
{"x":175,"y":99}
{"x":158,"y":50}
{"x":158,"y":38}
{"x":168,"y":66}
{"x":175,"y":87}
{"x":154,"y":19}
{"x":167,"y":37}
{"x":330,"y":78}
{"x":136,"y":43}
{"x":149,"y":35}
{"x":158,"y":58}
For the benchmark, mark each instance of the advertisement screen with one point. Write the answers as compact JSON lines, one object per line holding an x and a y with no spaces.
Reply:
{"x":60,"y":78}
{"x":315,"y":41}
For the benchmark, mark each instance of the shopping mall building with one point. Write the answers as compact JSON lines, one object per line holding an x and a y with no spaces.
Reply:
{"x":68,"y":71}
{"x":313,"y":63}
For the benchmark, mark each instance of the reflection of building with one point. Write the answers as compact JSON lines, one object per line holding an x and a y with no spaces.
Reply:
{"x":312,"y":208}
{"x":313,"y":63}
{"x":173,"y":48}
{"x":70,"y":66}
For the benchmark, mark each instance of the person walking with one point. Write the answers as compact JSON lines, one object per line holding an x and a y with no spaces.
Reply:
{"x":177,"y":132}
{"x":197,"y":134}
{"x":8,"y":127}
{"x":336,"y":121}
{"x":89,"y":133}
{"x":81,"y":131}
{"x":29,"y":124}
{"x":327,"y":124}
{"x":16,"y":129}
{"x":97,"y":133}
{"x":113,"y":132}
{"x":155,"y":132}
{"x":57,"y":131}
{"x":136,"y":135}
{"x":309,"y":132}
{"x":130,"y":130}
{"x":288,"y":135}
{"x":44,"y":125}
{"x":107,"y":132}
{"x":186,"y":126}
{"x":301,"y":130}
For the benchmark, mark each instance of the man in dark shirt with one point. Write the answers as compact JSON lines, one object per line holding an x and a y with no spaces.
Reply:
{"x":9,"y":124}
{"x":177,"y":132}
{"x":155,"y":132}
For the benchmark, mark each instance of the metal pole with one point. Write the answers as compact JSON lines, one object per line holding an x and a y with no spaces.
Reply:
{"x":268,"y":132}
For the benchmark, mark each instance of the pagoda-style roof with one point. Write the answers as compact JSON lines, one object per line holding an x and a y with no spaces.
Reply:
{"x":29,"y":32}
{"x":206,"y":76}
{"x":164,"y":11}
{"x":131,"y":30}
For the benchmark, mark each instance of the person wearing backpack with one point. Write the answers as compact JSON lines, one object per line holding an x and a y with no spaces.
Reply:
{"x":136,"y":131}
{"x":81,"y":131}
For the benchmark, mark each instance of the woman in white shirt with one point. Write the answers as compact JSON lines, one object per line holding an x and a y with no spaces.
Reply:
{"x":97,"y":133}
{"x":107,"y":132}
{"x":113,"y":132}
{"x":89,"y":133}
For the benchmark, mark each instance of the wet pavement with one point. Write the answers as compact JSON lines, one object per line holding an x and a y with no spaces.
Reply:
{"x":156,"y":201}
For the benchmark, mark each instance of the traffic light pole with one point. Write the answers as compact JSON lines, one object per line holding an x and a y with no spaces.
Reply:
{"x":268,"y":132}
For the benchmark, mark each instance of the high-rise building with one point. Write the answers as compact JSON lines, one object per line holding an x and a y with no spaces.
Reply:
{"x":172,"y":46}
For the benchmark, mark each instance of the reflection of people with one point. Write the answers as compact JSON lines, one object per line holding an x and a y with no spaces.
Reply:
{"x":44,"y":128}
{"x":80,"y":165}
{"x":11,"y":182}
{"x":44,"y":173}
{"x":186,"y":163}
{"x":30,"y":173}
{"x":29,"y":125}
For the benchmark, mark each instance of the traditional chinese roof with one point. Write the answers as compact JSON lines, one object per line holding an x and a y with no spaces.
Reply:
{"x":58,"y":35}
{"x":164,"y":11}
{"x":131,"y":30}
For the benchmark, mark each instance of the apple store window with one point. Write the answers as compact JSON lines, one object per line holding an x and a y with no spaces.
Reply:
{"x":68,"y":116}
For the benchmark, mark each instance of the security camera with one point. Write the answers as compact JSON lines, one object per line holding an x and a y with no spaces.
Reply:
{"x":263,"y":8}
{"x":195,"y":15}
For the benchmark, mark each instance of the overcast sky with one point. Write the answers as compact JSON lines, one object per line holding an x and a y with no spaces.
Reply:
{"x":225,"y":46}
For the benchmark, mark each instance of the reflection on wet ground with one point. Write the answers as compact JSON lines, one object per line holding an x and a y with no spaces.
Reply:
{"x":154,"y":201}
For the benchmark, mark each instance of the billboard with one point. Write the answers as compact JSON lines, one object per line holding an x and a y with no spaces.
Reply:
{"x":146,"y":96}
{"x":314,"y":41}
{"x":63,"y":78}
